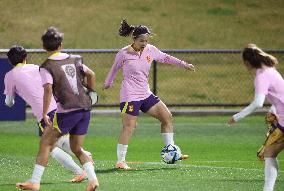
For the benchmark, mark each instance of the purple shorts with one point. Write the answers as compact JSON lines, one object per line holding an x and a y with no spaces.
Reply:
{"x":74,"y":122}
{"x":133,"y":107}
{"x":41,"y":124}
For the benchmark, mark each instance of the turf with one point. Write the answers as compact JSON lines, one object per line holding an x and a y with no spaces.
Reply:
{"x":221,"y":157}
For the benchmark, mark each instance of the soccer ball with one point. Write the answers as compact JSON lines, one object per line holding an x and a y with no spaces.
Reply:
{"x":170,"y":154}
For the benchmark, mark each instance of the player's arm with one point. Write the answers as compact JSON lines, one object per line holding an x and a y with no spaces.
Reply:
{"x":90,"y":76}
{"x":47,"y":95}
{"x":256,"y":103}
{"x":168,"y":59}
{"x":9,"y":90}
{"x":91,"y":81}
{"x":113,"y":71}
{"x":9,"y":101}
{"x":47,"y":82}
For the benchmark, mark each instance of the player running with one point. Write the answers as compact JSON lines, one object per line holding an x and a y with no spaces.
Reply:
{"x":24,"y":79}
{"x":135,"y":61}
{"x":62,"y":76}
{"x":268,"y":84}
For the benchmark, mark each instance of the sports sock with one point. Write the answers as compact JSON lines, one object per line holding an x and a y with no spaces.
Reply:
{"x":37,"y":173}
{"x":65,"y":160}
{"x":168,"y":138}
{"x":64,"y":143}
{"x":270,"y":171}
{"x":121,"y":152}
{"x":89,"y":168}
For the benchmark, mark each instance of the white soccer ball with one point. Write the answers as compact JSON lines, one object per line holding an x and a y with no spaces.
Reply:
{"x":170,"y":154}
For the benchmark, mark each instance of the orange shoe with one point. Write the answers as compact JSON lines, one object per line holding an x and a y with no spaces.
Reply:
{"x":183,"y":157}
{"x":79,"y":177}
{"x":122,"y":165}
{"x":28,"y":186}
{"x":93,"y":185}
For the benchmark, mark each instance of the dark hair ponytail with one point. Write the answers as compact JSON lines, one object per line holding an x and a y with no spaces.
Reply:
{"x":255,"y":56}
{"x":125,"y":29}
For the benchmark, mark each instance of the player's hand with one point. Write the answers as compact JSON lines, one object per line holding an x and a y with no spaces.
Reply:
{"x":231,"y":121}
{"x":190,"y":67}
{"x":47,"y":120}
{"x":105,"y":87}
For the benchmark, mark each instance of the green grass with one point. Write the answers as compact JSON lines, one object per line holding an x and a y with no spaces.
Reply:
{"x":221,"y":158}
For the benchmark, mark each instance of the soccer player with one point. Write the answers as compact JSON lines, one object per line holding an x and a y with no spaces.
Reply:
{"x":24,"y":79}
{"x":135,"y":61}
{"x":62,"y":76}
{"x":268,"y":84}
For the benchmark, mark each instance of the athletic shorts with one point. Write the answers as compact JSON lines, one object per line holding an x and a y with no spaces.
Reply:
{"x":133,"y":107}
{"x":41,"y":124}
{"x":74,"y":122}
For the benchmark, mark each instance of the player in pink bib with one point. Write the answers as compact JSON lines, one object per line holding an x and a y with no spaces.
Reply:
{"x":135,"y":61}
{"x":268,"y":84}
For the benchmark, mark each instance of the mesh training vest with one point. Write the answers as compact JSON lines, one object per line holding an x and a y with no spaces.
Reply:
{"x":67,"y":82}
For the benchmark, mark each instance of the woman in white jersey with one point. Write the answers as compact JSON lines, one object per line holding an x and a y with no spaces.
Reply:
{"x":268,"y":84}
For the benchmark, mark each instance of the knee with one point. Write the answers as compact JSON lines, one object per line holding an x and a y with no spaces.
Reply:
{"x":129,"y":128}
{"x":270,"y":153}
{"x":167,"y":119}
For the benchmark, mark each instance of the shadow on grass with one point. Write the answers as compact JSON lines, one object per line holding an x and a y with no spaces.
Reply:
{"x":8,"y":184}
{"x":133,"y":170}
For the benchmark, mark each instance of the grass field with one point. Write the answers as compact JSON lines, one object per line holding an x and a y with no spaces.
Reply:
{"x":221,"y":158}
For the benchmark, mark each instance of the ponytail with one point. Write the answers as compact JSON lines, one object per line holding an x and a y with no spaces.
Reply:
{"x":255,"y":56}
{"x":125,"y":29}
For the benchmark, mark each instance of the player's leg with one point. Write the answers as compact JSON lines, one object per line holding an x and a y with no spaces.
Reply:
{"x":76,"y":142}
{"x":77,"y":135}
{"x":157,"y":109}
{"x":67,"y":161}
{"x":49,"y":137}
{"x":271,"y":164}
{"x":64,"y":143}
{"x":129,"y":124}
{"x":161,"y":112}
{"x":129,"y":114}
{"x":62,"y":157}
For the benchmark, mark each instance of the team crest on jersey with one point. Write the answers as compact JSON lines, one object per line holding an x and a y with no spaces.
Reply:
{"x":70,"y":71}
{"x":131,"y":108}
{"x":148,"y":58}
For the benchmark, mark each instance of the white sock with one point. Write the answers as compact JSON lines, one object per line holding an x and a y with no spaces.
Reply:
{"x":64,"y":143}
{"x":121,"y":152}
{"x":270,"y":171}
{"x":37,"y":173}
{"x":168,"y":138}
{"x":65,"y":160}
{"x":89,"y":168}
